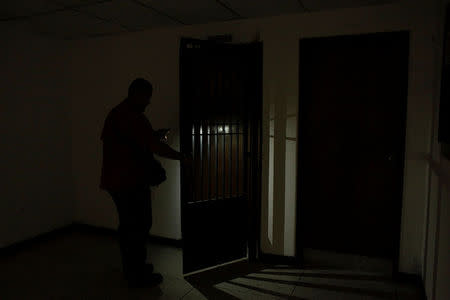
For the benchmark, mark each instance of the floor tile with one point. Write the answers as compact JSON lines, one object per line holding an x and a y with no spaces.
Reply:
{"x":194,"y":295}
{"x":174,"y":287}
{"x":244,"y":291}
{"x":328,"y":288}
{"x":277,"y":287}
{"x":88,"y":266}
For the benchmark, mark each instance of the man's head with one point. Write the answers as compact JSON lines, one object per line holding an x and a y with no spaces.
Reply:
{"x":139,"y":93}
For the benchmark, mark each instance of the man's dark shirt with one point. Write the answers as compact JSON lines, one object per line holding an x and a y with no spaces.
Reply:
{"x":127,"y":138}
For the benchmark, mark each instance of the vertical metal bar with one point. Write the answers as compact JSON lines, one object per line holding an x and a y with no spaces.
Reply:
{"x":198,"y":171}
{"x":194,"y":157}
{"x":204,"y":163}
{"x":195,"y":175}
{"x":208,"y":132}
{"x":245,"y":154}
{"x":201,"y":160}
{"x":223,"y":157}
{"x":217,"y":159}
{"x":238,"y":157}
{"x":230,"y":169}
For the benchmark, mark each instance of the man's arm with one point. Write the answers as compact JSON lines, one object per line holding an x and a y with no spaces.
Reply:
{"x":164,"y":150}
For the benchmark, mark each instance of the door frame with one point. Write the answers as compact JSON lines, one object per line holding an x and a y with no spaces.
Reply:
{"x":254,"y":161}
{"x":300,"y":226}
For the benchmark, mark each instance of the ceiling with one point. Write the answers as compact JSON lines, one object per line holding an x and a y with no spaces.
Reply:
{"x":72,"y":19}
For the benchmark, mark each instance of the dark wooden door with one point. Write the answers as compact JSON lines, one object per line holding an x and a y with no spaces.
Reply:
{"x":352,"y":107}
{"x":220,"y":105}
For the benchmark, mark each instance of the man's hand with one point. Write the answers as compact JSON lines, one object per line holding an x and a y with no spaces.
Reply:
{"x":161,"y":134}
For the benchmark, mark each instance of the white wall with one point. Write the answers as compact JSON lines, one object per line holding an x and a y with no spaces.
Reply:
{"x":102,"y":68}
{"x":436,"y":271}
{"x":442,"y":288}
{"x":101,"y":71}
{"x":36,"y":190}
{"x":437,"y":255}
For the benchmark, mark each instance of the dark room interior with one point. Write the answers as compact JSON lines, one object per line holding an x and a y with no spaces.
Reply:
{"x":225,"y":149}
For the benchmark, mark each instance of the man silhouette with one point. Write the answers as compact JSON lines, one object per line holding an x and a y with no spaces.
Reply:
{"x":128,"y":142}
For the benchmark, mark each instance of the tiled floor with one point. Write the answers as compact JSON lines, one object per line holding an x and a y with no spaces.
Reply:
{"x":87,"y":266}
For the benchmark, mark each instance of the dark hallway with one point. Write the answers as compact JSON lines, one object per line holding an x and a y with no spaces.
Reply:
{"x":317,"y":177}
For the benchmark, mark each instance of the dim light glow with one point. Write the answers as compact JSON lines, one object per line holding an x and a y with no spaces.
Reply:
{"x":225,"y":128}
{"x":209,"y":130}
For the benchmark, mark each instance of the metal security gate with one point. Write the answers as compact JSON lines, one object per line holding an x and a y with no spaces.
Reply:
{"x":219,"y":85}
{"x":218,"y":153}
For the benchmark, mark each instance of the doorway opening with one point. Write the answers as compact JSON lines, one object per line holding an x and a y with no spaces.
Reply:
{"x":352,"y":122}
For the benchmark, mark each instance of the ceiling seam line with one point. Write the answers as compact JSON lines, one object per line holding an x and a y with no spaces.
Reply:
{"x":14,"y":18}
{"x":148,"y":6}
{"x":49,"y":12}
{"x":111,"y":21}
{"x":89,"y":14}
{"x":97,"y":35}
{"x":303,"y":6}
{"x":85,"y":5}
{"x":229,"y":8}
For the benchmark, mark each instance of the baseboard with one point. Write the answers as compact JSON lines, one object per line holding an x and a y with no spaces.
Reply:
{"x":92,"y":229}
{"x":19,"y":246}
{"x":78,"y":227}
{"x":165,"y":241}
{"x":108,"y":231}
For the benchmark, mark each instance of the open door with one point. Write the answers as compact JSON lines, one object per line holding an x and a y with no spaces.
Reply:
{"x":220,"y":113}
